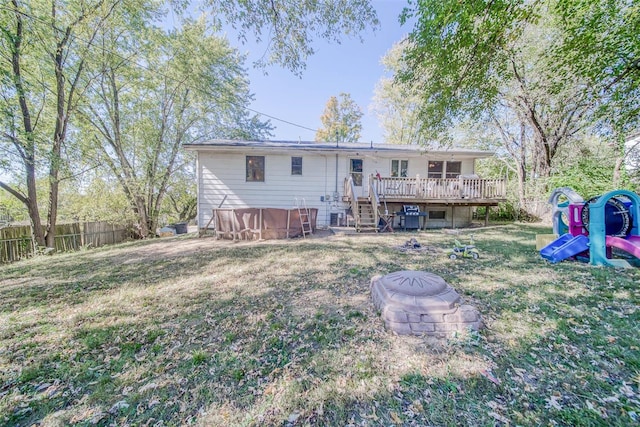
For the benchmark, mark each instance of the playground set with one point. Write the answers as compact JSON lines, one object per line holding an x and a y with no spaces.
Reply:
{"x":594,"y":228}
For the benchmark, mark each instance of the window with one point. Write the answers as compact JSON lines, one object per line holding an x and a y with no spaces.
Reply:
{"x":255,"y":168}
{"x":440,"y":169}
{"x":355,"y":168}
{"x":436,"y":214}
{"x":399,"y":168}
{"x":454,"y":169}
{"x":296,"y":166}
{"x":435,"y":169}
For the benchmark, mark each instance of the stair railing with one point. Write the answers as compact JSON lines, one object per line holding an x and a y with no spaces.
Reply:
{"x":375,"y":200}
{"x":350,"y":193}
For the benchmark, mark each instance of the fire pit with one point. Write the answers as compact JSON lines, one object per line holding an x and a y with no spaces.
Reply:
{"x":421,"y":303}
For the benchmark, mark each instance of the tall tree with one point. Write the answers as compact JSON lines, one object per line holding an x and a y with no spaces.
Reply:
{"x":46,"y":46}
{"x":341,"y":120}
{"x":140,"y":116}
{"x":462,"y":52}
{"x":396,"y":103}
{"x":44,"y":52}
{"x":542,"y":73}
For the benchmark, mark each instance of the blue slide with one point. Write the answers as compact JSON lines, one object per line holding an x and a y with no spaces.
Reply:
{"x":564,"y":247}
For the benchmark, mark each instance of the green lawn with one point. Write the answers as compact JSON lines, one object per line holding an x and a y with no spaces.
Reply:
{"x":198,"y":331}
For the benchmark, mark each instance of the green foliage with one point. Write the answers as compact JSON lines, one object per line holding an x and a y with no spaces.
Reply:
{"x":97,"y":199}
{"x":458,"y":54}
{"x":463,"y":52}
{"x":12,"y":207}
{"x":588,"y":168}
{"x":601,"y":44}
{"x":289,"y":28}
{"x":137,"y":118}
{"x":397,"y":104}
{"x":42,"y":77}
{"x":341,"y":120}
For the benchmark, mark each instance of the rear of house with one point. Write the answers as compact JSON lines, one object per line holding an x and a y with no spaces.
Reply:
{"x":337,"y":180}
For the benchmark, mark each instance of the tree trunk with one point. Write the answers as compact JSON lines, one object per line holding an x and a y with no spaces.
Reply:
{"x":58,"y":139}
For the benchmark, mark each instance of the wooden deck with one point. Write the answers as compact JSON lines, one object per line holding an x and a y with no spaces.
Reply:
{"x":389,"y":194}
{"x":463,"y":191}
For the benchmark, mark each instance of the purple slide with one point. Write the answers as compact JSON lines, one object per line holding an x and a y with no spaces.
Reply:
{"x":630,"y":245}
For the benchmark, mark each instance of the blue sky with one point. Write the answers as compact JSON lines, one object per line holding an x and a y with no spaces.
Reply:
{"x":352,"y":67}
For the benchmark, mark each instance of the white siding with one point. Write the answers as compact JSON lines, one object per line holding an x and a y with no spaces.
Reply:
{"x":417,"y":165}
{"x":221,"y":174}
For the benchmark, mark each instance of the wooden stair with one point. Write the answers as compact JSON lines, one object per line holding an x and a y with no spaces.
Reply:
{"x":366,"y":219}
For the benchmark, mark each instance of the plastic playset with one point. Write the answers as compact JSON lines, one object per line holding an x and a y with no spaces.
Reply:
{"x":599,"y":229}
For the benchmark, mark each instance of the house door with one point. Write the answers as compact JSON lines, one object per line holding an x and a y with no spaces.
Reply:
{"x":355,"y":169}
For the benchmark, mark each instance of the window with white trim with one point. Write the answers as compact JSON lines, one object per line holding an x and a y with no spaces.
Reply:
{"x":296,"y":165}
{"x":399,"y":168}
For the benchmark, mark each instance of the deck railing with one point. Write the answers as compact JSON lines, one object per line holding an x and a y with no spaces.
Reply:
{"x":440,"y":188}
{"x":375,"y":201}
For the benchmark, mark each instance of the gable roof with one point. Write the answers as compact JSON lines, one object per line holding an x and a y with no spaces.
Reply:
{"x":229,"y":145}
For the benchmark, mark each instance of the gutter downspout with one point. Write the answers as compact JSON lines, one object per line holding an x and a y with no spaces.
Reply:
{"x":336,"y":190}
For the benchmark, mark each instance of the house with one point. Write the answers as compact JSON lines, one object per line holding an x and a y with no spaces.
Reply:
{"x":345,"y":184}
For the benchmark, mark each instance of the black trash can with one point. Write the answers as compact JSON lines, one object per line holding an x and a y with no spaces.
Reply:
{"x":181,"y":228}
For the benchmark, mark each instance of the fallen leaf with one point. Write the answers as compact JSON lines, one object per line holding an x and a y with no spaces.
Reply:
{"x":395,"y":418}
{"x":552,"y":402}
{"x":498,"y":417}
{"x":417,"y":407}
{"x":148,"y":386}
{"x":488,"y":375}
{"x":117,"y":406}
{"x":293,"y":417}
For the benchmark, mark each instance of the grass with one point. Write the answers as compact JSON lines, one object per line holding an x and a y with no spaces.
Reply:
{"x":198,"y":331}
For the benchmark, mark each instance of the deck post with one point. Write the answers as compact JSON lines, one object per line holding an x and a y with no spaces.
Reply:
{"x":486,"y":216}
{"x":453,"y":216}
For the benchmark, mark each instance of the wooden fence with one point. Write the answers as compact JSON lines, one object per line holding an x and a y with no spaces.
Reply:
{"x":16,"y":242}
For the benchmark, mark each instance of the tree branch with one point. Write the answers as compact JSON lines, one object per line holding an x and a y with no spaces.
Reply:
{"x":15,"y":193}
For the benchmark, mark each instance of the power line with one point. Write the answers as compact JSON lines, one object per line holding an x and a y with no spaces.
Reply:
{"x":145,"y":67}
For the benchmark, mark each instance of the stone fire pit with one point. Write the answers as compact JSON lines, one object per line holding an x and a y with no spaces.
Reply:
{"x":420,"y":303}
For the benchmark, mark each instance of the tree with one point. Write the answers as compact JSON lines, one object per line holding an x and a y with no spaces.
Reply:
{"x":463,"y":51}
{"x":289,"y":28}
{"x":341,"y":120}
{"x":45,"y":48}
{"x":525,"y":70}
{"x":601,"y":44}
{"x":45,"y":52}
{"x":397,"y":104}
{"x":139,"y":117}
{"x":95,"y":197}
